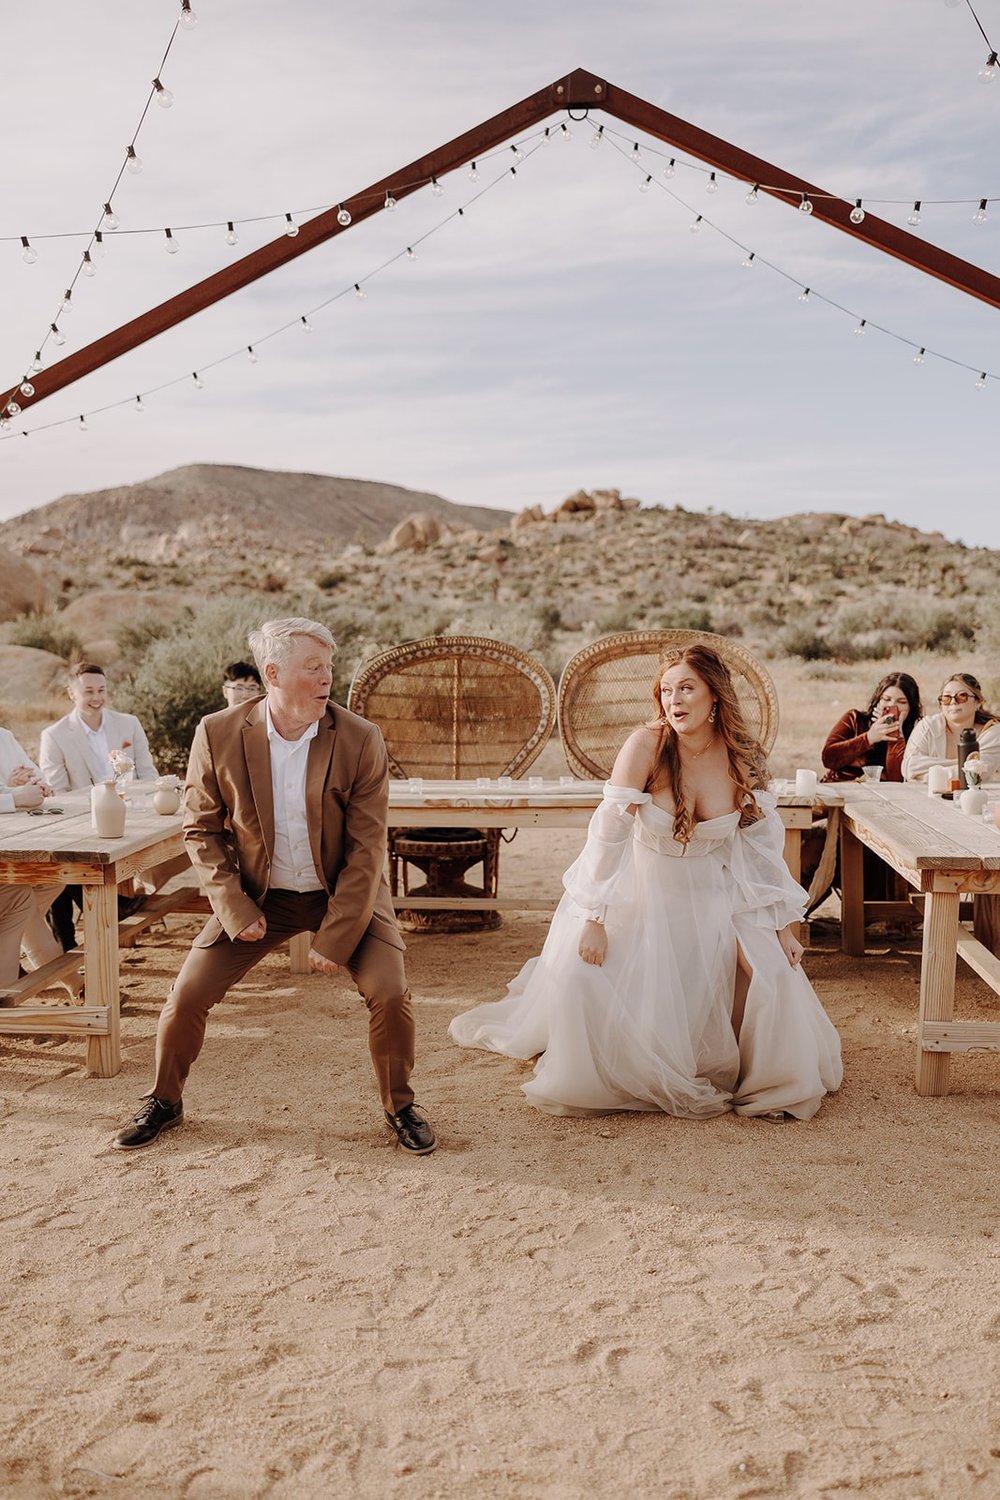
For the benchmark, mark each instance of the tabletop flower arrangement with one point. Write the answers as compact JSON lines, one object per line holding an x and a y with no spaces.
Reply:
{"x":975,"y":770}
{"x":123,"y":766}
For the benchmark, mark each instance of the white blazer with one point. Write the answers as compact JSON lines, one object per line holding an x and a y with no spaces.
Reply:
{"x":67,"y":759}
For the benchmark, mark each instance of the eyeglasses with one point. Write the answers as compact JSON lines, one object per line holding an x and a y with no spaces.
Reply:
{"x":948,"y":698}
{"x":40,"y":812}
{"x":241,"y":687}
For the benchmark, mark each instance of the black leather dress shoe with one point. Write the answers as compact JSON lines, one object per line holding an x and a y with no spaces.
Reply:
{"x":413,"y":1130}
{"x":154,"y":1116}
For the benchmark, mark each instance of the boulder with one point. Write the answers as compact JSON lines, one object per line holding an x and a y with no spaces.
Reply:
{"x":414,"y":533}
{"x":96,"y":616}
{"x":22,"y":588}
{"x":28,"y":674}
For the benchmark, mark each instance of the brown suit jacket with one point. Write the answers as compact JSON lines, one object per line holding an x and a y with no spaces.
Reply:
{"x":229,"y":824}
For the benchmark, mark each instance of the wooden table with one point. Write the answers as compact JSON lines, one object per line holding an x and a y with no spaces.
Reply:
{"x":63,"y":849}
{"x":944,"y":854}
{"x":534,"y":802}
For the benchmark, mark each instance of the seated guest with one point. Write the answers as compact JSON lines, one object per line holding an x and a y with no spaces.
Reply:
{"x":23,"y":908}
{"x":76,"y":751}
{"x":241,"y":683}
{"x":935,"y":740}
{"x":876,"y":735}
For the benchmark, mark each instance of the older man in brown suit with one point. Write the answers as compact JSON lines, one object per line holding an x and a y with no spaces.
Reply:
{"x":285,"y":822}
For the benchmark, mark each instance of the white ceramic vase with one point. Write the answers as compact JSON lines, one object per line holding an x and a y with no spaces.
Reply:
{"x":107,"y":811}
{"x":166,"y":800}
{"x":972,"y":801}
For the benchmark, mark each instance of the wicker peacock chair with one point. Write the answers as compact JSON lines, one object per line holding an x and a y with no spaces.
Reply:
{"x":454,"y":708}
{"x":607,"y":689}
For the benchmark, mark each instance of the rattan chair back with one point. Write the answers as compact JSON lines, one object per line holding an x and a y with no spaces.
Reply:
{"x":457,"y":707}
{"x":606,"y":690}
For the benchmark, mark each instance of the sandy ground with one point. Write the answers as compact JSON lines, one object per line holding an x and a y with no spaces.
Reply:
{"x":275,"y":1301}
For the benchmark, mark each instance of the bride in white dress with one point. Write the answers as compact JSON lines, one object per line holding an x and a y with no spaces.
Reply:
{"x":670,"y":978}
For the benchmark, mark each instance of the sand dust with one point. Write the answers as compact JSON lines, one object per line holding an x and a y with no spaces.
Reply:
{"x":275,"y":1301}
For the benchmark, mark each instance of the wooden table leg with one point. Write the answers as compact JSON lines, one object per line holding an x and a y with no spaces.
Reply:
{"x":298,"y":952}
{"x":937,"y":985}
{"x":852,"y":893}
{"x":100,"y":972}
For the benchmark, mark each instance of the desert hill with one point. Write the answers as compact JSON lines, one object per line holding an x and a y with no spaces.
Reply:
{"x":205,"y":506}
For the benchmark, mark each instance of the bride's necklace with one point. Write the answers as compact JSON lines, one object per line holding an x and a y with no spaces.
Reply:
{"x":695,"y":754}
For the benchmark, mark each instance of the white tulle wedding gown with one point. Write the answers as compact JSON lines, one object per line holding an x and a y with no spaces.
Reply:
{"x":652,"y":1028}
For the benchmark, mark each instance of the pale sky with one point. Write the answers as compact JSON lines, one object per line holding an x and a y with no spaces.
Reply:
{"x":568,"y":331}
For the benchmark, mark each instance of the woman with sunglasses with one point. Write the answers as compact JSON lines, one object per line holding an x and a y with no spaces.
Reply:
{"x":934,"y":742}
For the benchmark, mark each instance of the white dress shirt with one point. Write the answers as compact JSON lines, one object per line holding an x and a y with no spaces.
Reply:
{"x":292,"y":864}
{"x":98,"y":752}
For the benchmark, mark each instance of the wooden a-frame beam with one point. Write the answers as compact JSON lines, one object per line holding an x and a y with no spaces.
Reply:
{"x":579,"y":90}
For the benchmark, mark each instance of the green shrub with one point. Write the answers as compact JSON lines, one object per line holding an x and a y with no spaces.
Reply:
{"x":46,"y":632}
{"x":136,"y":636}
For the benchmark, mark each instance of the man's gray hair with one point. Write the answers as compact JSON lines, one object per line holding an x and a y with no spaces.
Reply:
{"x":273,"y":641}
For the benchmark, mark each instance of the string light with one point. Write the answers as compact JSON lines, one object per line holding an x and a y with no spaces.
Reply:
{"x":696,"y":225}
{"x":111,"y":219}
{"x":711,"y":186}
{"x":14,"y":408}
{"x":66,"y":305}
{"x":436,"y":187}
{"x":411,"y":254}
{"x":188,"y":18}
{"x":981,"y":382}
{"x":133,"y":163}
{"x":389,"y":204}
{"x":81,"y":426}
{"x":644,"y":184}
{"x":748,"y":262}
{"x":199,"y":384}
{"x":27,"y":389}
{"x":635,"y":152}
{"x":564,"y":131}
{"x":918,"y":358}
{"x":979,"y":217}
{"x":36,"y":363}
{"x":597,"y":137}
{"x":360,"y":292}
{"x":57,"y":337}
{"x":804,"y":294}
{"x":754,"y":195}
{"x":306,"y":325}
{"x":343,"y":216}
{"x":988,"y":71}
{"x":172,"y":246}
{"x":28,"y":252}
{"x":861,"y":327}
{"x":164,"y":97}
{"x":474,"y":173}
{"x":857,"y":213}
{"x":913,"y":217}
{"x":232,"y":238}
{"x":670,"y":169}
{"x":140,"y":409}
{"x":806,"y":206}
{"x":251,"y":354}
{"x":88,"y":267}
{"x":291,"y":228}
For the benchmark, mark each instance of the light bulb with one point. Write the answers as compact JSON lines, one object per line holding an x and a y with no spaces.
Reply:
{"x":81,"y":426}
{"x":14,"y":408}
{"x":343,"y":216}
{"x":28,"y":253}
{"x":644,"y":185}
{"x":979,"y":217}
{"x":57,"y":337}
{"x":111,"y":219}
{"x":306,"y":325}
{"x":979,"y":383}
{"x":198,"y":383}
{"x":99,"y":246}
{"x":27,"y":389}
{"x":133,"y":163}
{"x":66,"y":305}
{"x":291,"y":228}
{"x":436,"y":187}
{"x":753,"y":194}
{"x":918,"y":358}
{"x":696,"y":225}
{"x":360,"y":292}
{"x":390,"y":202}
{"x":188,"y":18}
{"x":232,"y":237}
{"x":164,"y":97}
{"x":861,"y":327}
{"x":635,"y":151}
{"x":597,"y":137}
{"x":4,"y":421}
{"x":565,"y":132}
{"x":473,"y":173}
{"x":711,"y":186}
{"x":913,"y":217}
{"x":748,"y":262}
{"x":36,"y":363}
{"x":806,"y":206}
{"x":411,"y":254}
{"x":251,"y":354}
{"x":671,"y":168}
{"x":804,"y":294}
{"x":172,"y":246}
{"x":140,"y":409}
{"x":88,"y":267}
{"x":857,"y":213}
{"x":546,"y":137}
{"x":988,"y":71}
{"x":518,"y":153}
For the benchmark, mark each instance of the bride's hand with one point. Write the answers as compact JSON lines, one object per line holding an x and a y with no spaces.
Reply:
{"x":790,"y":946}
{"x":594,"y":943}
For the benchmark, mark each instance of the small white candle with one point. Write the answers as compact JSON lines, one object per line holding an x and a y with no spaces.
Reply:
{"x":938,"y":778}
{"x":805,"y":783}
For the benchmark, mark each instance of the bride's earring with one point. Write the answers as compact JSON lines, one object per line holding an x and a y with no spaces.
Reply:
{"x":711,"y":716}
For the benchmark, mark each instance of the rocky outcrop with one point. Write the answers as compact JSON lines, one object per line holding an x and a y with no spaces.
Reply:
{"x":414,"y":533}
{"x":22,"y":588}
{"x":28,"y":675}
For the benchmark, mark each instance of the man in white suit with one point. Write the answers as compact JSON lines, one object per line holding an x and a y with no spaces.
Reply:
{"x":76,"y":751}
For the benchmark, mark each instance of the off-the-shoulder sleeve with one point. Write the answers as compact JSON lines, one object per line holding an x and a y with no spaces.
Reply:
{"x":767,"y":892}
{"x":602,"y":874}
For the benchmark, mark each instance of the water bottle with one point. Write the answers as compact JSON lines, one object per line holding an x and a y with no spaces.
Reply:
{"x":968,"y":745}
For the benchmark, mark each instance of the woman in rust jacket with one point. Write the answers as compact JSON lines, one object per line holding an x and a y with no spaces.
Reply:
{"x":876,"y":735}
